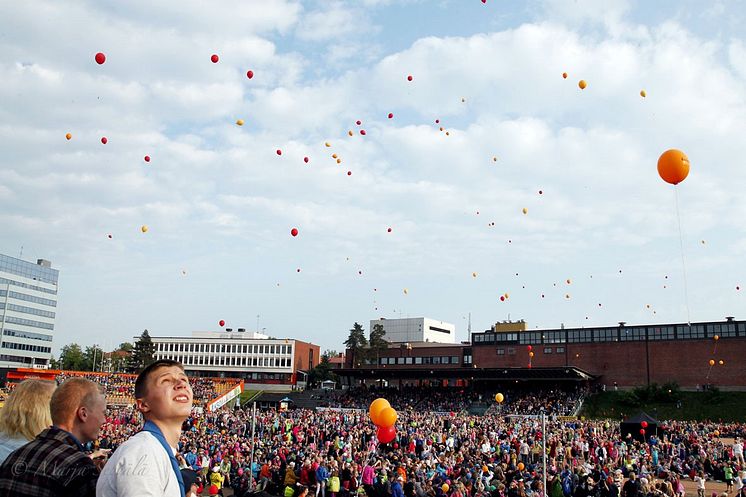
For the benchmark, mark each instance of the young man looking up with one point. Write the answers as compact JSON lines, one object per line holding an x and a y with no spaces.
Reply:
{"x":146,"y":465}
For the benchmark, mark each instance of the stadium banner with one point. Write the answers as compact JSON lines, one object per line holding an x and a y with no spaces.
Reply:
{"x":225,"y":398}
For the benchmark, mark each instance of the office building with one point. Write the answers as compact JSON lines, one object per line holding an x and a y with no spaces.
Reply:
{"x":28,"y":307}
{"x":416,"y":330}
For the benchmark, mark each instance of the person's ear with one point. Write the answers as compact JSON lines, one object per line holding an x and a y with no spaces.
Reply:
{"x":142,"y":406}
{"x":82,"y":413}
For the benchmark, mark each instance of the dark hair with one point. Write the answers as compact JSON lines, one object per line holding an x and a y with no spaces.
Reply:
{"x":142,"y":378}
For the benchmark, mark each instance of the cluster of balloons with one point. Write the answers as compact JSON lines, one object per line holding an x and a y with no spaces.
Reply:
{"x":384,"y":417}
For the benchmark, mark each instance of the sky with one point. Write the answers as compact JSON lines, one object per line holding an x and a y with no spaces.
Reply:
{"x":604,"y":239}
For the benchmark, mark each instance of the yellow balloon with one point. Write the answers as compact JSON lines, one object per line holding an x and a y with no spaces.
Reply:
{"x":582,"y":84}
{"x":643,"y":94}
{"x":406,"y":291}
{"x":721,"y":362}
{"x":499,"y":398}
{"x":239,"y":122}
{"x":525,"y":210}
{"x":712,"y":362}
{"x":376,"y":407}
{"x":531,"y":354}
{"x":350,"y":133}
{"x":445,"y":487}
{"x":328,"y":144}
{"x":144,"y":228}
{"x":494,"y":159}
{"x":473,"y":275}
{"x":716,"y":337}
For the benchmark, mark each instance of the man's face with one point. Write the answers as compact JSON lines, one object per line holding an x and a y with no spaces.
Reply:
{"x":168,"y":395}
{"x":94,"y":417}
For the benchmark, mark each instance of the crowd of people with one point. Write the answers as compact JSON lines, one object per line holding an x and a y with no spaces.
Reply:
{"x":553,"y":401}
{"x":439,"y":450}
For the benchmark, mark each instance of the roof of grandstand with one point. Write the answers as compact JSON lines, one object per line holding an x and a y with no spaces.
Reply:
{"x":569,"y":373}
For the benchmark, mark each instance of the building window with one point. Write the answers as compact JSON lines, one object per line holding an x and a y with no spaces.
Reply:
{"x":547,"y":350}
{"x":560,"y":350}
{"x":418,"y":360}
{"x":454,"y":359}
{"x":511,"y":350}
{"x":500,"y":351}
{"x":661,"y":333}
{"x":408,"y":360}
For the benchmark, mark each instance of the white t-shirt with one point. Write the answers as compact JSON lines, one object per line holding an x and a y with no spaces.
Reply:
{"x":737,"y":449}
{"x":138,"y":468}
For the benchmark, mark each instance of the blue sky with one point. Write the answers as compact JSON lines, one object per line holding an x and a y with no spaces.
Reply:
{"x":220,"y":203}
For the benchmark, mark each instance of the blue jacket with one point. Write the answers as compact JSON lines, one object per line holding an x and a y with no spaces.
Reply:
{"x":396,"y":490}
{"x":321,"y":474}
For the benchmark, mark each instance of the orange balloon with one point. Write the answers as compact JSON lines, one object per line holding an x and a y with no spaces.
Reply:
{"x":712,"y":362}
{"x":673,"y":166}
{"x":376,"y":407}
{"x":387,"y":417}
{"x":520,"y":466}
{"x":582,"y":84}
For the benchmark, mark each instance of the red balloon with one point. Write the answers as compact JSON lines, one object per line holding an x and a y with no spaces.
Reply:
{"x":644,"y":424}
{"x":110,"y":237}
{"x":221,"y":323}
{"x":530,"y":348}
{"x":410,"y":78}
{"x":349,"y":173}
{"x":358,"y":122}
{"x":279,"y":152}
{"x":437,"y":121}
{"x":386,"y":435}
{"x":362,"y":132}
{"x":294,"y":231}
{"x":502,"y":298}
{"x":642,"y":431}
{"x":249,"y":74}
{"x":104,"y":140}
{"x":391,"y":115}
{"x":100,"y":58}
{"x":146,"y":158}
{"x":306,"y":159}
{"x":214,"y":58}
{"x":389,"y":230}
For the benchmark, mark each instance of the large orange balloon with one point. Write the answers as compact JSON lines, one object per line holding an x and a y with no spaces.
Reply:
{"x":499,"y":398}
{"x":387,"y":417}
{"x":673,"y":166}
{"x":376,"y":407}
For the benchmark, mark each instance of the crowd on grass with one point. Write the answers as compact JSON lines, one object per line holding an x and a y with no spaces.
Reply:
{"x":441,"y":449}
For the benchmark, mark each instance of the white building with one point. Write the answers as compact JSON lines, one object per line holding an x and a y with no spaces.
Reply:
{"x":263,"y":363}
{"x":28,"y":306}
{"x":416,"y":330}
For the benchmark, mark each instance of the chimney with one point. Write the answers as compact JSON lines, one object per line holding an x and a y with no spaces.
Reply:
{"x":729,"y":319}
{"x":622,"y":323}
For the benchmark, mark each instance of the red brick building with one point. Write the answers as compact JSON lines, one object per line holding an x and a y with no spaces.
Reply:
{"x":692,"y":355}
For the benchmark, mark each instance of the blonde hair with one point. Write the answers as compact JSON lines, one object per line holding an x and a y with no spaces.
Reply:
{"x":26,"y":410}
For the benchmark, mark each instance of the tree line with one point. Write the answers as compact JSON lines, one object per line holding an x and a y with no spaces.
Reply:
{"x":126,"y":358}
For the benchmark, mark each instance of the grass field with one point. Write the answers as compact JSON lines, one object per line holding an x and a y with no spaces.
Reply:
{"x":686,"y":406}
{"x":247,"y":394}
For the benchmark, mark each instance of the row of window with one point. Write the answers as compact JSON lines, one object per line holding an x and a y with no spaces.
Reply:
{"x":622,"y":334}
{"x":224,"y":348}
{"x":27,"y":334}
{"x":419,"y":360}
{"x":27,"y":347}
{"x":5,"y":281}
{"x":28,"y":269}
{"x":27,"y":310}
{"x":547,"y":350}
{"x":28,"y":322}
{"x":214,"y":360}
{"x":17,"y":358}
{"x":28,"y":298}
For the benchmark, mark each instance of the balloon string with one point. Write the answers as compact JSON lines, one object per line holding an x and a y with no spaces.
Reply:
{"x":683,"y":261}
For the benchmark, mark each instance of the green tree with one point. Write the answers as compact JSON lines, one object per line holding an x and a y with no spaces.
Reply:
{"x":94,"y":357}
{"x":357,"y":343}
{"x":142,"y":353}
{"x":322,"y":372}
{"x":377,"y":342}
{"x":72,"y":357}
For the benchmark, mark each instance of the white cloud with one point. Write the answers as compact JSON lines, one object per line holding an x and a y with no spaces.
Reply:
{"x":220,"y":202}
